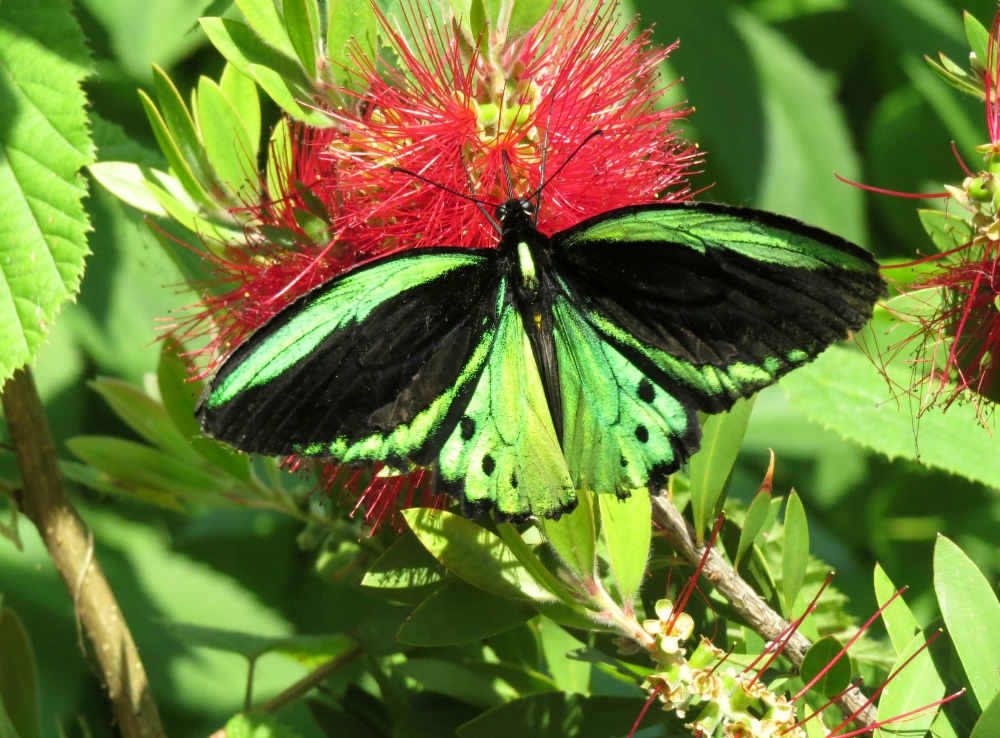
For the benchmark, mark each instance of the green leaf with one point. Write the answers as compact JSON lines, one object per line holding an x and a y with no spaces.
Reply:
{"x":557,"y":715}
{"x":18,"y":677}
{"x":44,"y":142}
{"x":844,"y":391}
{"x":180,"y":166}
{"x":406,"y":563}
{"x":127,"y":182}
{"x":144,"y":415}
{"x":757,"y":515}
{"x":917,"y":685}
{"x":242,"y":47}
{"x":257,"y":725}
{"x":263,"y":18}
{"x":311,"y":650}
{"x":295,"y":99}
{"x":460,"y":613}
{"x":180,"y":127}
{"x":821,"y":654}
{"x":134,"y":466}
{"x":972,"y":614}
{"x":241,"y":92}
{"x":302,"y":24}
{"x":231,"y":151}
{"x":978,"y":37}
{"x":350,"y":25}
{"x":463,"y":682}
{"x":795,"y":550}
{"x":627,"y":529}
{"x":474,"y":554}
{"x":898,"y":619}
{"x":721,"y":438}
{"x":574,"y":537}
{"x":988,"y":725}
{"x":946,"y":230}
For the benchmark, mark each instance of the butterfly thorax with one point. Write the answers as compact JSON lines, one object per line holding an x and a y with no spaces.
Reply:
{"x":525,"y":256}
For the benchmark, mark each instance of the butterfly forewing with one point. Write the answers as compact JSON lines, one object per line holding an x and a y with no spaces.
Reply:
{"x":369,"y":366}
{"x":715,"y":302}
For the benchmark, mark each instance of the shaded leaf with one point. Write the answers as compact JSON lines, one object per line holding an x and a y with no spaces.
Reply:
{"x":972,"y":614}
{"x":406,"y":563}
{"x":459,"y":613}
{"x":44,"y":143}
{"x":818,"y":657}
{"x":18,"y":677}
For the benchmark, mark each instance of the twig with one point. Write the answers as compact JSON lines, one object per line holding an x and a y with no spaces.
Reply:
{"x":309,"y":681}
{"x":751,"y":607}
{"x":45,"y":504}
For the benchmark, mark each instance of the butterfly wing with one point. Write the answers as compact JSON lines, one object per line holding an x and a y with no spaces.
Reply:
{"x":504,"y":451}
{"x":668,"y":309}
{"x":374,"y":365}
{"x":416,"y":358}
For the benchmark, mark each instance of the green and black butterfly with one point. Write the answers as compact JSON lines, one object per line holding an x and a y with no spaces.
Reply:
{"x":526,"y":372}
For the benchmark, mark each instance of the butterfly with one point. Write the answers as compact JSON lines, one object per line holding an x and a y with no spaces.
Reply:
{"x":548,"y":364}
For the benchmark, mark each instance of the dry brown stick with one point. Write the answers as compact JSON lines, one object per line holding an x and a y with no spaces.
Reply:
{"x":755,"y":612}
{"x":45,"y":504}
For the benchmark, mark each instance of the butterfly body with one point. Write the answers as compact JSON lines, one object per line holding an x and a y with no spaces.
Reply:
{"x":524,"y":373}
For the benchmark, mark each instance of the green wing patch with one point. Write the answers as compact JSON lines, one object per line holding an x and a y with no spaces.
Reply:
{"x":621,"y":431}
{"x":504,"y":450}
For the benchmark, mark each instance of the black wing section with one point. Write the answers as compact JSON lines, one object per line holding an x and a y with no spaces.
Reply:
{"x":383,"y":347}
{"x":716,"y":301}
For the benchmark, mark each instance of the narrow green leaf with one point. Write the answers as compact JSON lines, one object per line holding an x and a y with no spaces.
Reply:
{"x":473,"y":553}
{"x":171,"y":148}
{"x":125,"y":181}
{"x":795,"y":550}
{"x":44,"y":143}
{"x":757,"y":515}
{"x":133,"y":465}
{"x":302,"y":25}
{"x":242,"y":47}
{"x":526,"y":14}
{"x":988,"y":725}
{"x":972,"y":614}
{"x":406,"y":563}
{"x":144,"y":415}
{"x":721,"y":438}
{"x":279,"y":160}
{"x":817,"y":658}
{"x":350,"y":25}
{"x":574,"y":537}
{"x":462,"y":682}
{"x":946,"y":230}
{"x":306,"y":649}
{"x":262,"y":16}
{"x":228,"y":145}
{"x":844,"y":391}
{"x":18,"y":677}
{"x":525,"y":556}
{"x":181,"y":127}
{"x":627,"y":529}
{"x":293,"y":98}
{"x":460,"y":613}
{"x":189,"y":214}
{"x":978,"y":37}
{"x":917,"y":685}
{"x":241,"y":92}
{"x":899,"y":621}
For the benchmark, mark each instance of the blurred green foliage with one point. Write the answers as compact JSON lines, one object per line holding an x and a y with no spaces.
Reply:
{"x":786,"y":92}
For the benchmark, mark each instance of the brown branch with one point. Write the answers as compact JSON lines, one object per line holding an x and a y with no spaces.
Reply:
{"x":751,"y":607}
{"x":45,"y":504}
{"x":309,"y":681}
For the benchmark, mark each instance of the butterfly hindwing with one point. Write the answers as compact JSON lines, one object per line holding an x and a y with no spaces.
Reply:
{"x":504,"y":451}
{"x":621,"y":430}
{"x":371,"y":366}
{"x":714,"y":302}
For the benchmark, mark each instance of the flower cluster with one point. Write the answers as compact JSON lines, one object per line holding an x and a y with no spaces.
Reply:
{"x":463,"y":124}
{"x":723,"y":701}
{"x":954,"y":302}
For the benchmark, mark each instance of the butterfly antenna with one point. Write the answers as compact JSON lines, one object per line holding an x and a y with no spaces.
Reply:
{"x":471,"y":198}
{"x":541,"y":167}
{"x":555,"y":174}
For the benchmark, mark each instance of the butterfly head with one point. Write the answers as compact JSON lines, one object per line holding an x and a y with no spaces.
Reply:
{"x":516,"y":215}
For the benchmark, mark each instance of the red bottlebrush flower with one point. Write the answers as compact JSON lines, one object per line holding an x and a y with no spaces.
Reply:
{"x":957,"y":337}
{"x":462,"y":119}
